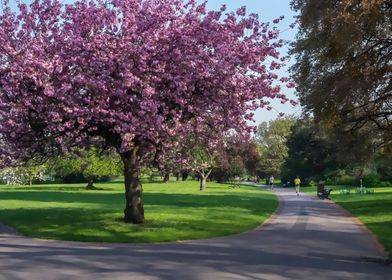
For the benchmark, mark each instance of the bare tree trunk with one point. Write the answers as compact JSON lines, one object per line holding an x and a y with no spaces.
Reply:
{"x":203,"y":179}
{"x":134,"y":211}
{"x":90,"y":185}
{"x":151,"y":177}
{"x":166,"y":177}
{"x":184,"y":175}
{"x":178,"y":176}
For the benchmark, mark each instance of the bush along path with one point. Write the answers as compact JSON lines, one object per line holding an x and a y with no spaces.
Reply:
{"x":306,"y":239}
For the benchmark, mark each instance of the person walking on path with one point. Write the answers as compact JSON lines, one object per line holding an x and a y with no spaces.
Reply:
{"x":271,"y":182}
{"x":297,"y":183}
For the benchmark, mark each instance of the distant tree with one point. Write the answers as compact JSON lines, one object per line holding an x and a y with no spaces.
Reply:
{"x":272,"y":138}
{"x":67,"y":168}
{"x":199,"y":155}
{"x":97,"y":166}
{"x":383,"y":164}
{"x":244,"y":149}
{"x":24,"y":174}
{"x":315,"y":153}
{"x":343,"y":70}
{"x":169,"y":162}
{"x":86,"y":165}
{"x":237,"y":156}
{"x":237,"y":167}
{"x":310,"y":153}
{"x":223,"y":165}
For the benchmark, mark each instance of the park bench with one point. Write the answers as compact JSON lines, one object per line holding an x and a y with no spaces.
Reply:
{"x":322,"y":192}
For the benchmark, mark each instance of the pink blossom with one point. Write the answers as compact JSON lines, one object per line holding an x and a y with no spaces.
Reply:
{"x":241,"y":11}
{"x":134,"y":72}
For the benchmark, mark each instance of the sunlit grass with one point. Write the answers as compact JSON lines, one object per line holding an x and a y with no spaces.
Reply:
{"x":174,"y":211}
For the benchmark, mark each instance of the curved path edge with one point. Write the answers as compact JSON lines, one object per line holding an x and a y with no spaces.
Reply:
{"x":371,"y":234}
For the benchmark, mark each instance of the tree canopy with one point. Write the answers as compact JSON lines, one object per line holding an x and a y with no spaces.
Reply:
{"x":272,"y":139}
{"x":136,"y":75}
{"x":86,"y":166}
{"x":310,"y":153}
{"x":343,"y":70}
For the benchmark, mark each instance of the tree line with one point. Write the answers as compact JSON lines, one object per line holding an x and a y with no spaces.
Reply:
{"x":285,"y":148}
{"x":342,"y":71}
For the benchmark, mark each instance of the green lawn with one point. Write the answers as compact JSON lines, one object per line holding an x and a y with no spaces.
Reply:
{"x":174,"y":211}
{"x":374,"y":210}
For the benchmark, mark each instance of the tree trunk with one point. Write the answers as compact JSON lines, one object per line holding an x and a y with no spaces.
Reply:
{"x":178,"y":176}
{"x":203,"y":181}
{"x":90,"y":185}
{"x":166,"y":177}
{"x":134,"y":211}
{"x":184,"y":175}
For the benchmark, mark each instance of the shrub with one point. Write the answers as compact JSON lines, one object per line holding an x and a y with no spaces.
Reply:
{"x":371,"y":180}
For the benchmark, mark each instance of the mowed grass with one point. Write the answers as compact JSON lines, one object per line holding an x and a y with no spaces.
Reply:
{"x":173,"y":211}
{"x":374,"y":210}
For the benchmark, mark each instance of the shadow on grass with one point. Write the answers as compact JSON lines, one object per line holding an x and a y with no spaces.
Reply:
{"x":71,"y":224}
{"x":104,"y":223}
{"x":53,"y":188}
{"x":61,"y":197}
{"x":97,"y":216}
{"x":232,"y":200}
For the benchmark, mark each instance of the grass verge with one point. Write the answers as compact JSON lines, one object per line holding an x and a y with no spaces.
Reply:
{"x":173,"y":211}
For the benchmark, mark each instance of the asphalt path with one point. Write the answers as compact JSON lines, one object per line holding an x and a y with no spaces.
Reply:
{"x":306,"y":239}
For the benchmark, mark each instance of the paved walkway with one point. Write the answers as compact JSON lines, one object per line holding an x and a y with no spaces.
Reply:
{"x":307,"y":239}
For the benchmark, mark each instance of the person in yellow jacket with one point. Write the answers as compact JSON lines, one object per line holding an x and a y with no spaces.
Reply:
{"x":297,"y":183}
